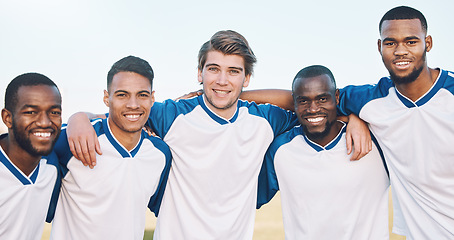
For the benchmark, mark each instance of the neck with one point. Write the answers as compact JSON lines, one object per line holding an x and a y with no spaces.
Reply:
{"x":420,"y":86}
{"x":18,"y":156}
{"x":127,"y":139}
{"x":224,"y":113}
{"x":333,"y":132}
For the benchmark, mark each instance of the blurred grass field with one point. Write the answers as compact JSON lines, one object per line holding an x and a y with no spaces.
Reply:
{"x":268,"y":223}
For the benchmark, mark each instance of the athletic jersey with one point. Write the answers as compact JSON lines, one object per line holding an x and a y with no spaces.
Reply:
{"x":324,"y":195}
{"x":212,"y":187}
{"x":110,"y":200}
{"x":25,"y":200}
{"x":417,"y":140}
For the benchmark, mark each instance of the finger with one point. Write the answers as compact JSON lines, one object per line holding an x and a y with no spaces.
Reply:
{"x":348,"y":138}
{"x":73,"y":150}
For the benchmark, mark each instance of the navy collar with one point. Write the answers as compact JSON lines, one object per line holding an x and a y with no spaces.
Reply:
{"x":213,"y":115}
{"x":328,"y":146}
{"x":16,"y":171}
{"x":120,"y":149}
{"x":439,"y":83}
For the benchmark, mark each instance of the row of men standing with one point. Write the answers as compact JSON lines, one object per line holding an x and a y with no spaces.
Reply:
{"x":216,"y":145}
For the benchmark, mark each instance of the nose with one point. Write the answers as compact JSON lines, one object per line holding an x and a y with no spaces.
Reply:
{"x":401,"y":49}
{"x":43,"y":120}
{"x":313,"y":107}
{"x":222,"y":79}
{"x":132,"y":102}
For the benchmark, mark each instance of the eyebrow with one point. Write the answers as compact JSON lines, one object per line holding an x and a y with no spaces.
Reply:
{"x":217,"y":65}
{"x":124,"y":91}
{"x":406,"y":39}
{"x":36,"y":106}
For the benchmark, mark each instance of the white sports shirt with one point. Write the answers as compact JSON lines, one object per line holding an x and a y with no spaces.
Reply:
{"x":212,"y":187}
{"x":110,"y":200}
{"x":25,"y":200}
{"x":417,"y":139}
{"x":324,"y":195}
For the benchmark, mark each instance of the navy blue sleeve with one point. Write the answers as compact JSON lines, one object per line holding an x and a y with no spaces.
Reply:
{"x":155,"y":201}
{"x":353,"y":98}
{"x":53,"y":160}
{"x":280,"y":120}
{"x":267,"y":183}
{"x":162,"y":115}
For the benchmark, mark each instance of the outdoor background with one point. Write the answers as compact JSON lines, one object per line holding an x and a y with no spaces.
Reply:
{"x":76,"y":42}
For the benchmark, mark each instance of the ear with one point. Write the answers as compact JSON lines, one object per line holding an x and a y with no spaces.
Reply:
{"x":246,"y":80}
{"x":152,"y":98}
{"x":106,"y":98}
{"x":379,"y":45}
{"x":7,"y":118}
{"x":337,"y":96}
{"x":199,"y":76}
{"x":428,"y":43}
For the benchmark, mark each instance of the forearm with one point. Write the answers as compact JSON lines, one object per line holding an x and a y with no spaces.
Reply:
{"x":279,"y":97}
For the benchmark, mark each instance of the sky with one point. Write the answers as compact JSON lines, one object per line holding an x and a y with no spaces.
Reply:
{"x":75,"y":43}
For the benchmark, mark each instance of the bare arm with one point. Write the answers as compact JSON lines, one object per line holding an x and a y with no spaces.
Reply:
{"x":82,"y":138}
{"x":279,"y":97}
{"x":358,"y":136}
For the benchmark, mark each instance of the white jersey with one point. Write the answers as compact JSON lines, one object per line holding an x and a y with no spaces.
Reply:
{"x":110,"y":200}
{"x":212,"y":187}
{"x":25,"y":200}
{"x":417,"y":141}
{"x":324,"y":195}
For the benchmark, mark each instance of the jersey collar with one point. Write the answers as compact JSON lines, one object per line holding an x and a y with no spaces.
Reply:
{"x":213,"y":115}
{"x":428,"y":95}
{"x":328,"y":146}
{"x":4,"y":159}
{"x":121,"y":150}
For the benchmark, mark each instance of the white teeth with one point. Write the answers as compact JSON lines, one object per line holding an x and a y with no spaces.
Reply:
{"x":220,"y":91}
{"x":402,"y":63}
{"x":130,"y":116}
{"x":42,"y":134}
{"x":313,"y":120}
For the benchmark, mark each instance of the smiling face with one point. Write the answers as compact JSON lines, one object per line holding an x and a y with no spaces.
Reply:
{"x":223,"y":79}
{"x":403,"y":46}
{"x":315,"y":100}
{"x":129,"y":100}
{"x":36,"y":121}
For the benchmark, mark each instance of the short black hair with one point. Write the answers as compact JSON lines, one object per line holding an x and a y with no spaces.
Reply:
{"x":131,"y":64}
{"x":26,"y":79}
{"x":404,"y":13}
{"x":313,"y":71}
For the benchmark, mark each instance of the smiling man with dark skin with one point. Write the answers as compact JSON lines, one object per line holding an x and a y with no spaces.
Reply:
{"x":32,"y":114}
{"x":411,"y":113}
{"x":319,"y":184}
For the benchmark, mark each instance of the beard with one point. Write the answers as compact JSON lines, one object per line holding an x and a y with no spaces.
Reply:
{"x":406,"y":79}
{"x":26,"y":144}
{"x":409,"y":78}
{"x":318,"y":135}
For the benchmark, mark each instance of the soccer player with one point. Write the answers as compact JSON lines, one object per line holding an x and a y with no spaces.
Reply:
{"x":28,"y":180}
{"x":324,"y":195}
{"x":109,"y":201}
{"x":218,"y":144}
{"x":412,"y":115}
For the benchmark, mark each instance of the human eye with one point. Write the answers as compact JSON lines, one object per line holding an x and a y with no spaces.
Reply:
{"x":389,"y":44}
{"x":323,"y":99}
{"x":144,"y":95}
{"x":56,"y":112}
{"x":213,"y":69}
{"x":234,"y":72}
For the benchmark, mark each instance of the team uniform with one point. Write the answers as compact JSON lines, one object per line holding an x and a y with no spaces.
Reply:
{"x":324,"y":195}
{"x":417,"y":140}
{"x":25,"y":200}
{"x":110,"y":200}
{"x":212,"y":187}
